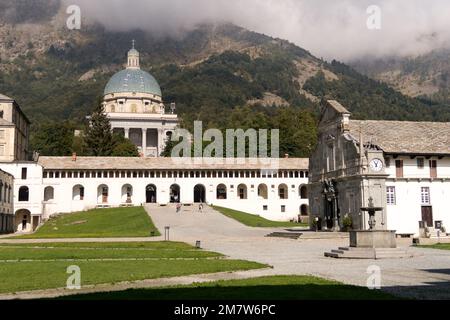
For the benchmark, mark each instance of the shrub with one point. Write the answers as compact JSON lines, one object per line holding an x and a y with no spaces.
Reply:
{"x":347,"y":223}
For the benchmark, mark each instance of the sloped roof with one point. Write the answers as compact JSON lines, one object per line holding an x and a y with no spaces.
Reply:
{"x":118,"y":163}
{"x":405,"y":137}
{"x":337,"y":106}
{"x":3,"y":97}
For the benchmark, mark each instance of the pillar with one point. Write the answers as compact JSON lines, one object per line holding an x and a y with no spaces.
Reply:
{"x":336,"y":226}
{"x":127,"y":133}
{"x":160,"y":141}
{"x":144,"y":142}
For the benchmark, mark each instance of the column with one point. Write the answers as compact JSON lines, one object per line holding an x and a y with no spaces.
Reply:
{"x":127,"y":133}
{"x":160,"y":142}
{"x":144,"y":142}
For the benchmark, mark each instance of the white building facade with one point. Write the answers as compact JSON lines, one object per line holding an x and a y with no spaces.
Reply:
{"x":402,"y":166}
{"x":418,"y":189}
{"x":84,"y":183}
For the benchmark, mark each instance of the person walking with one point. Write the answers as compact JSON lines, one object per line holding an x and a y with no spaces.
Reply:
{"x":200,"y":207}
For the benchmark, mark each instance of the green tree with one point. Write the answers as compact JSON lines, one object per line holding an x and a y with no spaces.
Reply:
{"x":99,"y":138}
{"x":298,"y":131}
{"x":53,"y":139}
{"x":123,"y":147}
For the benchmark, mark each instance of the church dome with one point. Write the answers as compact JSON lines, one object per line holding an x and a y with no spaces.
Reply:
{"x":133,"y":80}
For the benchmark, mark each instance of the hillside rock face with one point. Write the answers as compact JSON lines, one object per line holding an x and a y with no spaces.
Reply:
{"x":424,"y":75}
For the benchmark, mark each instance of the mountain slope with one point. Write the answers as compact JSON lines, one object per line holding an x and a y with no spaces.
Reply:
{"x":215,"y":73}
{"x":424,"y":75}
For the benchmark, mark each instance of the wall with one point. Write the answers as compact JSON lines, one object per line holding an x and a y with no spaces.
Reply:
{"x":6,"y":203}
{"x":34,"y":184}
{"x":64,"y":202}
{"x":405,"y":214}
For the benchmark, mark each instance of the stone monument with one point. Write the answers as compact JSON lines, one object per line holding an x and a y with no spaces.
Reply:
{"x":372,"y":243}
{"x":372,"y":238}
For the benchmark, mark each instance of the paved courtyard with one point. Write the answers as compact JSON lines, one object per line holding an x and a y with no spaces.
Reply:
{"x":425,"y":276}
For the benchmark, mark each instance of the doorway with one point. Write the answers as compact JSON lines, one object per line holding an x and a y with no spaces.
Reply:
{"x":150,"y":194}
{"x":427,"y":215}
{"x":329,"y":214}
{"x":199,"y":193}
{"x":175,"y":193}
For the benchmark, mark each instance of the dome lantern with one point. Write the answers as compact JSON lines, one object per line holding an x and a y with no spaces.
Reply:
{"x":133,"y":58}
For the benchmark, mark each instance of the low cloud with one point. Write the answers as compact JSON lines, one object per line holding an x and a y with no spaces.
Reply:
{"x":327,"y":28}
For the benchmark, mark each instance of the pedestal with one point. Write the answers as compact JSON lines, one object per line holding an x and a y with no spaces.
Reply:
{"x":373,"y":239}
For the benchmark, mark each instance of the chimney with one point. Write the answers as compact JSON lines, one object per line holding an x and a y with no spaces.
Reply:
{"x":74,"y":156}
{"x":286,"y":155}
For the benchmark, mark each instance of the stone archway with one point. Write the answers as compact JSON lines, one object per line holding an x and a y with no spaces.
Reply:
{"x":199,"y":193}
{"x":175,"y":194}
{"x":150,"y":194}
{"x":102,"y":194}
{"x":127,"y":194}
{"x":22,"y":221}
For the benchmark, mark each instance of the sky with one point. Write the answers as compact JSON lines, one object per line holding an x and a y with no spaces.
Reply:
{"x":332,"y":29}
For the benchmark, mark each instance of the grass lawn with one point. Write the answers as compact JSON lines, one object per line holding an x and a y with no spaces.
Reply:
{"x":264,"y":288}
{"x":97,"y":223}
{"x":26,"y":267}
{"x":442,"y":246}
{"x":252,"y":220}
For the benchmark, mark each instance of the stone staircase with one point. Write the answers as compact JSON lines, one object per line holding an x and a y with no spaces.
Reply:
{"x":369,"y":253}
{"x":432,"y":233}
{"x":285,"y":235}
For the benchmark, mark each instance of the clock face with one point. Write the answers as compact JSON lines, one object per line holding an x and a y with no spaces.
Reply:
{"x":376,"y":165}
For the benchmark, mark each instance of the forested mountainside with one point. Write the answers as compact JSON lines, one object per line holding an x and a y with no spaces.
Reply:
{"x":225,"y":75}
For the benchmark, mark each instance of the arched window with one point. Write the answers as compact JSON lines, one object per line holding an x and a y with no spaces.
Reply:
{"x":102,"y":193}
{"x":24,"y":194}
{"x":242,"y":191}
{"x":283,"y":191}
{"x":262,"y":191}
{"x":303,"y":190}
{"x":49,"y":194}
{"x":78,"y":193}
{"x":221,"y":192}
{"x":127,"y":194}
